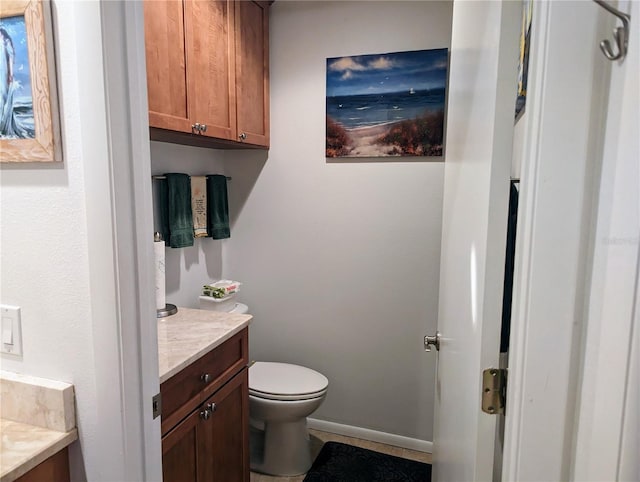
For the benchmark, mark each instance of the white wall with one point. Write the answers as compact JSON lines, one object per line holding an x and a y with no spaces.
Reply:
{"x":188,"y":268}
{"x":57,"y":253}
{"x":340,"y":260}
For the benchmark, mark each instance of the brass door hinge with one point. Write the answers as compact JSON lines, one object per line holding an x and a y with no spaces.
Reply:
{"x":494,"y":390}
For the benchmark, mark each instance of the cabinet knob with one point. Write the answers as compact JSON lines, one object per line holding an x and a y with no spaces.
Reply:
{"x":195,"y":128}
{"x":205,"y":414}
{"x":205,"y":377}
{"x":203,"y":127}
{"x":242,"y":136}
{"x":211,"y":407}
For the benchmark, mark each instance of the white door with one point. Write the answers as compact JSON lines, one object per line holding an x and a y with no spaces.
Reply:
{"x":482,"y":80}
{"x":561,"y":159}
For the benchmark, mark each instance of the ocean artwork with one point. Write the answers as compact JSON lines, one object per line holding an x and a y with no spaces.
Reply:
{"x":386,"y":105}
{"x":16,"y":99}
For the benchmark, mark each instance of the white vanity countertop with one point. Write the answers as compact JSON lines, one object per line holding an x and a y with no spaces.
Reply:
{"x":38,"y":420}
{"x":25,"y":446}
{"x":189,"y":334}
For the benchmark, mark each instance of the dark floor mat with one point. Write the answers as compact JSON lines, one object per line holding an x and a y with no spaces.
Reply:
{"x":339,"y":462}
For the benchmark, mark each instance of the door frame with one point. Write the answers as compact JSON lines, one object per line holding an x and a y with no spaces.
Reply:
{"x":554,"y":256}
{"x":607,"y":411}
{"x":130,"y":165}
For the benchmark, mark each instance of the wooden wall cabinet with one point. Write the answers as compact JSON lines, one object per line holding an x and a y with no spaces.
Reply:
{"x":205,"y":420}
{"x":252,"y":71}
{"x":208,"y":72}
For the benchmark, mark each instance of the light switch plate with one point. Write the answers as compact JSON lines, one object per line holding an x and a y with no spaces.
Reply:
{"x":11,"y":339}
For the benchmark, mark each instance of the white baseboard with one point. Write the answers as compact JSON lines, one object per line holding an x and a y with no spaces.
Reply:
{"x":371,"y":435}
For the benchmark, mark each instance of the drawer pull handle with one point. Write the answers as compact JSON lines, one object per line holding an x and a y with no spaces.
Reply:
{"x":205,"y":414}
{"x":205,"y":377}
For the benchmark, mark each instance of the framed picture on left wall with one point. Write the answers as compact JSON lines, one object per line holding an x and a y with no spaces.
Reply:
{"x":29,"y":118}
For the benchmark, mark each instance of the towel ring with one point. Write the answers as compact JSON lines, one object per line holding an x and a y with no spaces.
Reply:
{"x":621,"y":34}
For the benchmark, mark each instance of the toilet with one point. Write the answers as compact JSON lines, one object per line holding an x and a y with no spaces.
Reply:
{"x":281,"y":397}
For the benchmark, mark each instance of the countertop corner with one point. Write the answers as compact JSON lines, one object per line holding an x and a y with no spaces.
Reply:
{"x":190,"y":333}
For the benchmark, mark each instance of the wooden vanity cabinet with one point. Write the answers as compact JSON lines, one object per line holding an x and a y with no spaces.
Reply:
{"x":211,"y":444}
{"x":208,"y":72}
{"x":54,"y":468}
{"x":206,"y":438}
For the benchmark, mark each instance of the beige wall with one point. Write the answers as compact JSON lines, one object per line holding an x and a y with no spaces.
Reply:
{"x":189,"y":268}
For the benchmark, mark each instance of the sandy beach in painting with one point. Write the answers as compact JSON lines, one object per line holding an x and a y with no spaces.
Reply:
{"x":392,"y":124}
{"x":421,"y":136}
{"x":363,"y":141}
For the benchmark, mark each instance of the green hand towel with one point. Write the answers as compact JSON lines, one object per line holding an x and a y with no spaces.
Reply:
{"x":180,"y":216}
{"x":217,"y":207}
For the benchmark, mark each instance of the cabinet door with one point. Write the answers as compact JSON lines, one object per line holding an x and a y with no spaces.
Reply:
{"x":166,"y":65}
{"x":55,"y":468}
{"x":210,"y":54}
{"x":180,"y":451}
{"x":252,"y":71}
{"x":227,"y":433}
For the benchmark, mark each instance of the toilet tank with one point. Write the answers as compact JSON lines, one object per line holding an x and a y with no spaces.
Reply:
{"x":226,"y":304}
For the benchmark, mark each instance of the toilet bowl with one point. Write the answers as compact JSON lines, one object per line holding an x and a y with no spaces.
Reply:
{"x":281,"y":397}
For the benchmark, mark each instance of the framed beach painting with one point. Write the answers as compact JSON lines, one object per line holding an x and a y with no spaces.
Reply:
{"x":29,"y":128}
{"x":387,"y":105}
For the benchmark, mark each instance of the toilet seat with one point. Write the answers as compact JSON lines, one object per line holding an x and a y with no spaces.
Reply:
{"x":284,"y":381}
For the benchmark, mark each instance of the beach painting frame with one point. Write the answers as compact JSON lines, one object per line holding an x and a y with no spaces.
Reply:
{"x":29,"y":118}
{"x":523,"y":57}
{"x":387,"y":105}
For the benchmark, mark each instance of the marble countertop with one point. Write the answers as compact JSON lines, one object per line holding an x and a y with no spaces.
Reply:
{"x":182,"y":339}
{"x":24,"y":446}
{"x":189,"y":334}
{"x":37,"y":421}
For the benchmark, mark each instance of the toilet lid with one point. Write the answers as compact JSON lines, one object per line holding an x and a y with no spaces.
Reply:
{"x":285,"y":381}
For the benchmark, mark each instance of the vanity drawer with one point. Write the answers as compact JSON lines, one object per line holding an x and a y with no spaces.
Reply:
{"x":187,"y":389}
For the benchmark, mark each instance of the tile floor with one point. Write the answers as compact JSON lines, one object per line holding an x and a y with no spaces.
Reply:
{"x":318,"y":438}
